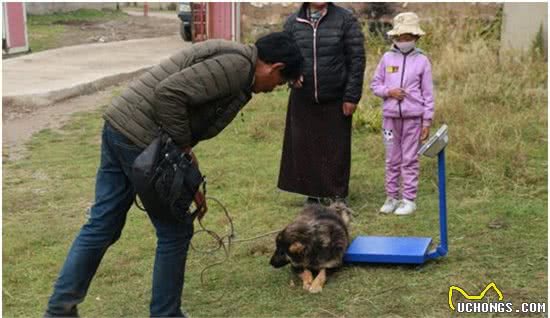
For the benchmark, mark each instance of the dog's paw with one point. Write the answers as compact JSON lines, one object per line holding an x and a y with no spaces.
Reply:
{"x":315,"y":289}
{"x":307,"y":279}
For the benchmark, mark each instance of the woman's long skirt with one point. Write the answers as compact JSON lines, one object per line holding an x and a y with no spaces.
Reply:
{"x":316,"y":154}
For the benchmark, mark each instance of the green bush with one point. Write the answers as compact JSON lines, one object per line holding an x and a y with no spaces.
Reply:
{"x":172,"y":6}
{"x":537,"y":47}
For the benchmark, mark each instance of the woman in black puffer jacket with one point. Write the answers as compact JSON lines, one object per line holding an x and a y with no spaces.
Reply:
{"x":316,"y":155}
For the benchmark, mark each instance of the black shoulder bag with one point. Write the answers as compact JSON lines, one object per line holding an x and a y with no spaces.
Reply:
{"x":166,"y":180}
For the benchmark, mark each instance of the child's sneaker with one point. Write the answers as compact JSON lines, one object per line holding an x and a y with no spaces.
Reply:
{"x":389,"y":206}
{"x":406,"y":207}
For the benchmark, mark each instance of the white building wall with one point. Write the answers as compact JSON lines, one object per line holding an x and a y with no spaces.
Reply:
{"x":521,"y":23}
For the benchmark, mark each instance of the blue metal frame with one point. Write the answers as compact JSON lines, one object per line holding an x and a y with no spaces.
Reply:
{"x":388,"y":249}
{"x":442,"y":248}
{"x":404,"y":250}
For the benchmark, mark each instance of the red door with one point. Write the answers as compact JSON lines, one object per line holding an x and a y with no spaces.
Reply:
{"x":16,"y":27}
{"x":199,"y":21}
{"x":219,"y":20}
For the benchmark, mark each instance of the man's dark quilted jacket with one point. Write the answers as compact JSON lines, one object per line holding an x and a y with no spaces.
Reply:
{"x":193,"y":95}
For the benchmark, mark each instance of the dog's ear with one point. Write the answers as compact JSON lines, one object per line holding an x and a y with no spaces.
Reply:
{"x":343,"y":210}
{"x":279,"y":237}
{"x":347,"y":215}
{"x":296,"y":248}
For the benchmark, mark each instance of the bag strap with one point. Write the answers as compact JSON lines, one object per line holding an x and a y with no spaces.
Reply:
{"x":139,"y":206}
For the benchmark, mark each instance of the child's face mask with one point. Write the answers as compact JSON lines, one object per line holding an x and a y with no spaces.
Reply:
{"x":405,"y":46}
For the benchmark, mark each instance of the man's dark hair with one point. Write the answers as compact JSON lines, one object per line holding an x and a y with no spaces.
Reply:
{"x":279,"y":47}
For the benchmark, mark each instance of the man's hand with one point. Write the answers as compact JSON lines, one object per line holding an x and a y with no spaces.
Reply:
{"x":349,"y":108}
{"x":425,"y":133}
{"x":200,"y":202}
{"x":190,"y":152}
{"x":397,"y":93}
{"x":298,"y":83}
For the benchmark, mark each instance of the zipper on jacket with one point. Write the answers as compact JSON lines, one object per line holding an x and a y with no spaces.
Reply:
{"x":314,"y":27}
{"x":315,"y":63}
{"x":402,"y":77}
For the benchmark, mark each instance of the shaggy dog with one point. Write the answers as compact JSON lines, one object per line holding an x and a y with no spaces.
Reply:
{"x":314,"y":242}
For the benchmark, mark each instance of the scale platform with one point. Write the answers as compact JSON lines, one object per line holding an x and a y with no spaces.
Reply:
{"x":388,"y":249}
{"x":409,"y":250}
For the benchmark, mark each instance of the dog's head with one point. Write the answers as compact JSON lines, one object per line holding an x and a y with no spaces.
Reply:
{"x":289,"y":249}
{"x":343,"y":211}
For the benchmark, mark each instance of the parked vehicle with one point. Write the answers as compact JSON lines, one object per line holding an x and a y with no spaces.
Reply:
{"x":186,"y":17}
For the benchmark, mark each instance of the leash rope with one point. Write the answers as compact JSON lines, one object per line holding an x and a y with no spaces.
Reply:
{"x":222,"y":242}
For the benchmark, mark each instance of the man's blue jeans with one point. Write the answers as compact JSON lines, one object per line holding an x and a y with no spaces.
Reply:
{"x":113,"y":198}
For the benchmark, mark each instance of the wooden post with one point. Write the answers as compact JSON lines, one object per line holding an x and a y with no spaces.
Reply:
{"x":145,"y":9}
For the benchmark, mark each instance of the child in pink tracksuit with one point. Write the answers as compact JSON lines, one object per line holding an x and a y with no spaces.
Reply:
{"x":403,"y":79}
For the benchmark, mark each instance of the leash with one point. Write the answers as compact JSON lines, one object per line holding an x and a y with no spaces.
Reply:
{"x":220,"y":240}
{"x":223,"y":242}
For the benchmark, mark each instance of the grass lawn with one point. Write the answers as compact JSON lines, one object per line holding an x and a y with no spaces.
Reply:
{"x":497,"y":199}
{"x":45,"y":30}
{"x":495,"y":235}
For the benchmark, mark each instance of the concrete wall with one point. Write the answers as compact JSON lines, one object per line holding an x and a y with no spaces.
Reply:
{"x":521,"y":23}
{"x":51,"y":7}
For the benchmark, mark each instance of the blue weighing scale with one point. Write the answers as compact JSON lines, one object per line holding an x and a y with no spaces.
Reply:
{"x":408,"y":250}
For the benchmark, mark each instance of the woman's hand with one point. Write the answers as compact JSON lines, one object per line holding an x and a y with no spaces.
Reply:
{"x":425,"y":133}
{"x":298,"y":83}
{"x":349,"y":108}
{"x":397,"y":93}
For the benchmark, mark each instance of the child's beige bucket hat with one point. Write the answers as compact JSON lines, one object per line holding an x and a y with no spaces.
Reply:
{"x":406,"y":22}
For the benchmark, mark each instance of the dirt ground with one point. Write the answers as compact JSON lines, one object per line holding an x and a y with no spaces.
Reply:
{"x":20,"y":122}
{"x":19,"y":126}
{"x":132,"y":27}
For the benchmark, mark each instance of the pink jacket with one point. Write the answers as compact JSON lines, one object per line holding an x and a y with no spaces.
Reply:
{"x":413,"y":73}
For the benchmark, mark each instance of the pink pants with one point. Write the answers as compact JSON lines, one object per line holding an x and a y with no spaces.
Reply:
{"x":402,"y":141}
